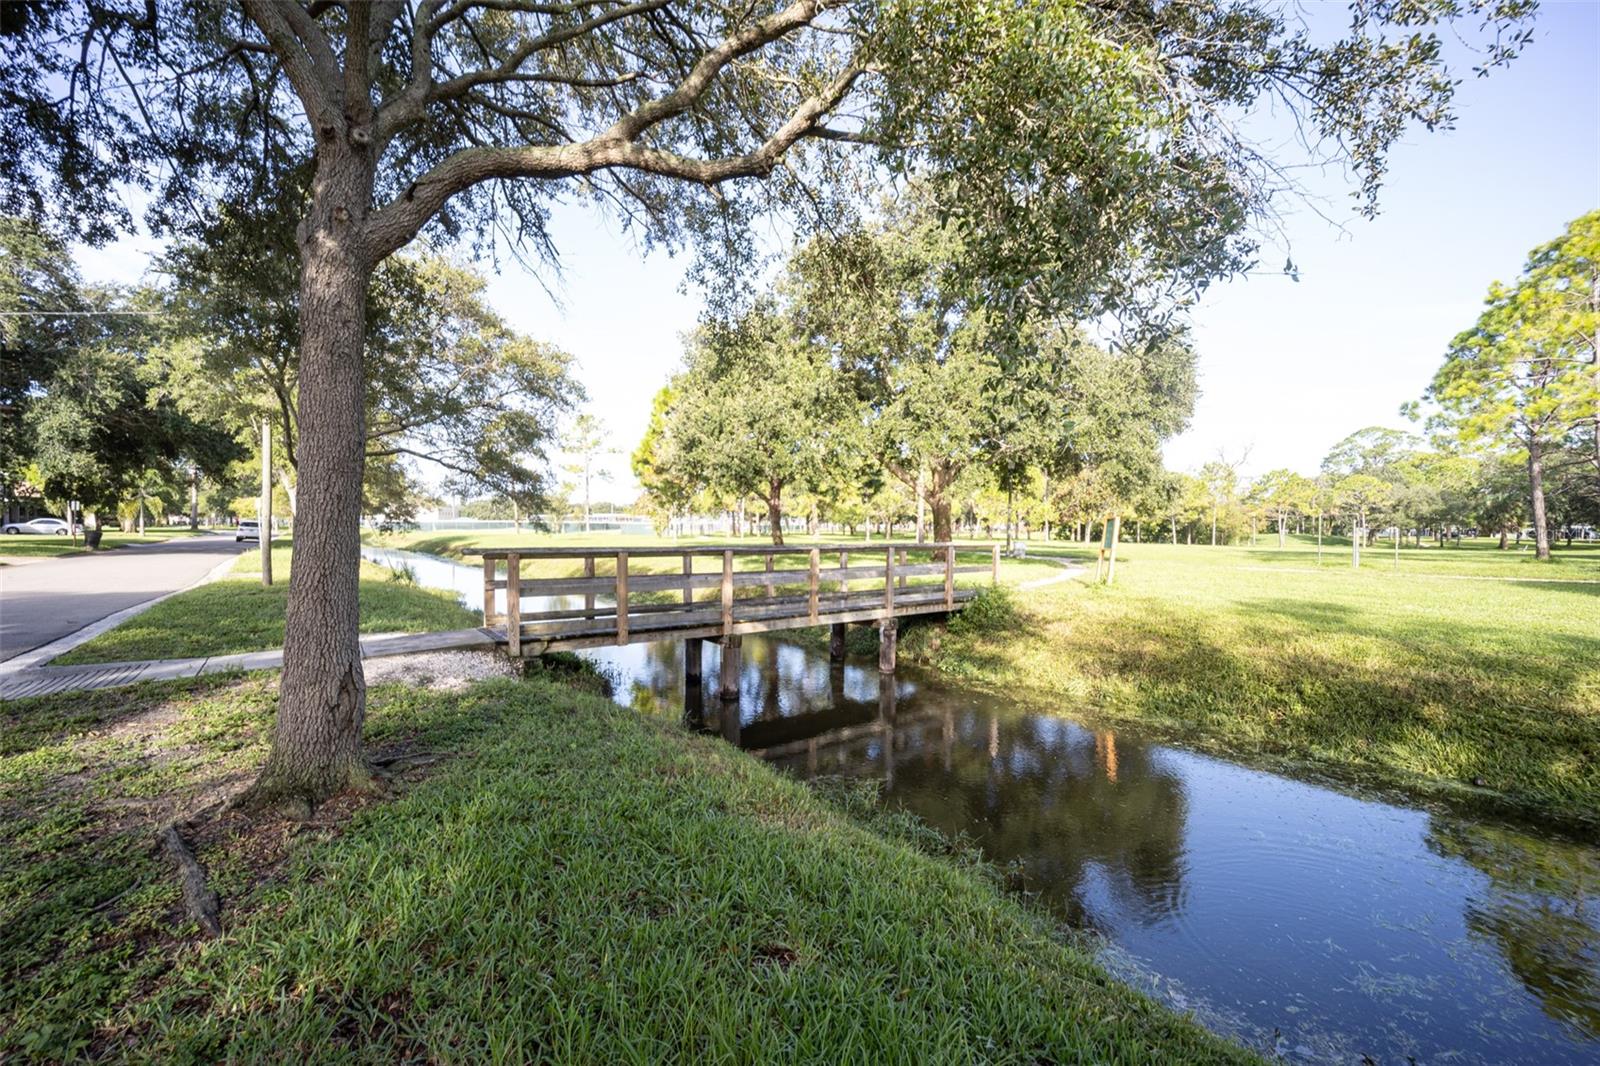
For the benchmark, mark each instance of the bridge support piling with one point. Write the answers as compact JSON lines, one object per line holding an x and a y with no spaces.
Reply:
{"x":836,"y":642}
{"x":691,"y":661}
{"x":888,"y":630}
{"x":729,"y":688}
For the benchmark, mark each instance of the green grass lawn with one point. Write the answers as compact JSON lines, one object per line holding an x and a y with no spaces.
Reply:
{"x":239,"y":614}
{"x":1452,"y":668}
{"x":34,"y":547}
{"x":573,"y":882}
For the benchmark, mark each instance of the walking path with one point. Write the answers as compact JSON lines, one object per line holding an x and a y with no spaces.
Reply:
{"x":47,"y":680}
{"x":1070,"y":570}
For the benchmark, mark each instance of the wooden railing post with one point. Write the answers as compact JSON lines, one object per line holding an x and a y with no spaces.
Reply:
{"x":901,"y":562}
{"x":514,"y":605}
{"x":489,"y":567}
{"x":816,"y":562}
{"x":727,"y":592}
{"x":622,"y":597}
{"x":844,"y":564}
{"x":688,"y":571}
{"x":994,"y":574}
{"x":769,"y":588}
{"x":588,"y":597}
{"x":949,"y":577}
{"x":888,"y":582}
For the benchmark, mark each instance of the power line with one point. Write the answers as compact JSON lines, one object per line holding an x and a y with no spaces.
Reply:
{"x":71,"y":314}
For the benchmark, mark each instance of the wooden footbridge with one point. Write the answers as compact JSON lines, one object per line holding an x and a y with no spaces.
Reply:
{"x":554,"y":599}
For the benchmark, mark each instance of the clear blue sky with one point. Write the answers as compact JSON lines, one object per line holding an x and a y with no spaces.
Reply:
{"x":1287,"y":368}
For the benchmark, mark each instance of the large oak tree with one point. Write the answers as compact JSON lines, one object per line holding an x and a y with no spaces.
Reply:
{"x":1088,"y":149}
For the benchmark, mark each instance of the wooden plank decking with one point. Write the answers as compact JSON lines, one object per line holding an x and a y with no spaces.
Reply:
{"x":571,"y":602}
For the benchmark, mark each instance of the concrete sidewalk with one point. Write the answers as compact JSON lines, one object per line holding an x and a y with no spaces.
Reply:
{"x":47,"y":680}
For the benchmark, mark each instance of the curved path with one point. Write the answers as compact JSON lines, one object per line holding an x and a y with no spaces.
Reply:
{"x":1069,"y":569}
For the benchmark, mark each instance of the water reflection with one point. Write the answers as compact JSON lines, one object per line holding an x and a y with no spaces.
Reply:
{"x":1308,"y":921}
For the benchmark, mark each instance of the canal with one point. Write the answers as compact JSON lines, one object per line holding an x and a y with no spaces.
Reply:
{"x":1317,"y":922}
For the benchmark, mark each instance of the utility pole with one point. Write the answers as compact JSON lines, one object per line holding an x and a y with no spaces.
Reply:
{"x":266,"y":501}
{"x":194,"y":497}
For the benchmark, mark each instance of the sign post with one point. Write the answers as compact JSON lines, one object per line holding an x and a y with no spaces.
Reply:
{"x":1107,"y":561}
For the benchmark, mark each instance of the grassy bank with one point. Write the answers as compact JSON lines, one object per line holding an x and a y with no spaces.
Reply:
{"x":569,"y":882}
{"x":240,"y":614}
{"x":23,"y":546}
{"x":1461,"y":666}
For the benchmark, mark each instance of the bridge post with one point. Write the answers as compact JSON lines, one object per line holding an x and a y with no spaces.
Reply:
{"x":514,"y":605}
{"x":691,"y":661}
{"x":490,"y":565}
{"x":888,"y":630}
{"x":622,"y":597}
{"x":729,"y":688}
{"x":836,"y":642}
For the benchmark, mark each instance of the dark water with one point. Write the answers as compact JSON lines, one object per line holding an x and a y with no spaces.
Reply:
{"x":1303,"y":919}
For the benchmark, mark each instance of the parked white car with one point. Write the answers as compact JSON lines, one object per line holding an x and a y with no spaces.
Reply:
{"x":249,"y":529}
{"x":53,"y":527}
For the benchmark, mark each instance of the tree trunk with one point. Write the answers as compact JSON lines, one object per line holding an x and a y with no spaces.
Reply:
{"x":775,"y":512}
{"x":1541,"y":533}
{"x":922,"y":507}
{"x":942,"y":532}
{"x":317,"y":743}
{"x":1281,"y":522}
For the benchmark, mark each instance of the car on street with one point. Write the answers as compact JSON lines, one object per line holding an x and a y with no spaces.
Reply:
{"x":249,"y":529}
{"x":54,"y":527}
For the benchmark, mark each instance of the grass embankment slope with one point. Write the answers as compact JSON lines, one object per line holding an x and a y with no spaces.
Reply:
{"x":239,"y":614}
{"x":572,"y":882}
{"x":33,"y":546}
{"x":1439,"y":673}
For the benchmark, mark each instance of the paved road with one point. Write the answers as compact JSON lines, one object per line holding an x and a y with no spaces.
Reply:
{"x":45,"y":600}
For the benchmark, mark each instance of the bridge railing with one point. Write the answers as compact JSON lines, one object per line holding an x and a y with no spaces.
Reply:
{"x":583,"y":597}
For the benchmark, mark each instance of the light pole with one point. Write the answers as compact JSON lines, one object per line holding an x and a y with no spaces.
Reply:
{"x":264,"y":531}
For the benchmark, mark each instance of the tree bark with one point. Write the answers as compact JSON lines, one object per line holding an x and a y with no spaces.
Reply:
{"x":317,"y":743}
{"x":775,"y":512}
{"x":942,"y":533}
{"x":1541,"y":533}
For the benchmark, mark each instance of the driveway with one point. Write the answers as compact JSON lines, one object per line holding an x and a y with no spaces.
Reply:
{"x":46,"y":600}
